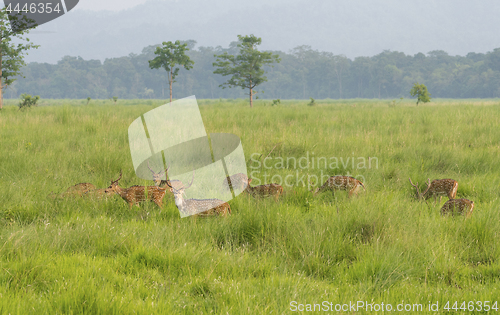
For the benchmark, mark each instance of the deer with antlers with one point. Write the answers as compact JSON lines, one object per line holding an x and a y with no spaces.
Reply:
{"x":458,"y":206}
{"x":135,"y":194}
{"x":193,"y":206}
{"x":438,"y":187}
{"x":340,"y":182}
{"x":236,"y":182}
{"x":160,"y":182}
{"x":263,"y":191}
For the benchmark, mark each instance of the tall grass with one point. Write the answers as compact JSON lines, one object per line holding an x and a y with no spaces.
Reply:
{"x":87,"y":256}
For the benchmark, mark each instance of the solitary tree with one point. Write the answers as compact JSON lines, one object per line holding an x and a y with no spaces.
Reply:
{"x":170,"y":55}
{"x":420,"y":91}
{"x":246,"y":68}
{"x":12,"y":55}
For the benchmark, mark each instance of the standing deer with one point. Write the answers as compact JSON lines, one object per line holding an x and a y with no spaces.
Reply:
{"x":458,"y":206}
{"x":340,"y":182}
{"x":237,"y":181}
{"x":193,"y":206}
{"x":160,"y":182}
{"x":438,"y":187}
{"x":135,"y":194}
{"x":264,"y":191}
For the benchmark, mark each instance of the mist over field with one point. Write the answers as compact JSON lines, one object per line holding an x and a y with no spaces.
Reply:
{"x":351,"y":28}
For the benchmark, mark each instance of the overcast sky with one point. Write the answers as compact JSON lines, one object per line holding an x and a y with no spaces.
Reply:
{"x":111,"y":5}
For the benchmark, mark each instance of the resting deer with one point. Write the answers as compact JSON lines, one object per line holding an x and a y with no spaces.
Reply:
{"x":77,"y":190}
{"x":135,"y":194}
{"x":340,"y":182}
{"x":264,"y":191}
{"x":458,"y":206}
{"x":236,"y":182}
{"x":438,"y":187}
{"x":193,"y":206}
{"x":160,"y":182}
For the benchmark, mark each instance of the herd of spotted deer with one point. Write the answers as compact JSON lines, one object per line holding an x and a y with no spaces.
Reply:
{"x":135,"y":194}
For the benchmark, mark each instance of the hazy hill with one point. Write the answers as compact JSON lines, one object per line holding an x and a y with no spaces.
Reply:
{"x":353,"y":28}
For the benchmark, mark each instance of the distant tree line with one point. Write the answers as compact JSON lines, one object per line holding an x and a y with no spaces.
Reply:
{"x":301,"y":74}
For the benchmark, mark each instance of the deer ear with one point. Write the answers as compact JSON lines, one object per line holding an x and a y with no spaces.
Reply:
{"x":249,"y":180}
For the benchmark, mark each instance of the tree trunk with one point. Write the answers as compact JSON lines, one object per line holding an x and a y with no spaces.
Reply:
{"x":251,"y":98}
{"x":1,"y":91}
{"x":1,"y":83}
{"x":170,"y":84}
{"x":251,"y":94}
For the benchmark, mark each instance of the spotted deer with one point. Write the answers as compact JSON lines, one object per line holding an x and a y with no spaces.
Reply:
{"x":215,"y":207}
{"x":340,"y":182}
{"x":263,"y":191}
{"x":438,"y":187}
{"x":236,"y":182}
{"x":135,"y":194}
{"x":160,"y":182}
{"x":77,"y":190}
{"x":458,"y":206}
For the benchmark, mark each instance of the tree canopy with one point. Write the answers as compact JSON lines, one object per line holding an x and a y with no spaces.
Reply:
{"x":302,"y":73}
{"x":11,"y":54}
{"x":168,"y":56}
{"x":420,"y":91}
{"x":246,"y":68}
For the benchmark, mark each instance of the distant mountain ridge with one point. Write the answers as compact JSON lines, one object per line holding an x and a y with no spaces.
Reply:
{"x":352,"y":28}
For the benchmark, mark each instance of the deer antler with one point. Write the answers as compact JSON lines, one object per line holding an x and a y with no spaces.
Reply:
{"x":116,"y":181}
{"x":428,"y":186}
{"x":416,"y":186}
{"x":154,"y":173}
{"x":191,"y":182}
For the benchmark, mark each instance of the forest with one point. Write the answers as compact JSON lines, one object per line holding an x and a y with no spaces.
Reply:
{"x":302,"y":73}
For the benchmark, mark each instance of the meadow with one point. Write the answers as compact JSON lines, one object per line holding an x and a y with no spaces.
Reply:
{"x":86,"y":256}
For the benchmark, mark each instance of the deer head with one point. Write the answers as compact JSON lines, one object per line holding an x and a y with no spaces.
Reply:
{"x":113,"y":185}
{"x":418,"y":194}
{"x":157,"y":177}
{"x":179,"y":191}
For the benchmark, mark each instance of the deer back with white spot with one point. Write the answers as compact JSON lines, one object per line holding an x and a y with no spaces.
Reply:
{"x":77,"y":190}
{"x":340,"y":182}
{"x":458,"y":206}
{"x":199,"y":207}
{"x":264,"y":191}
{"x":135,"y":194}
{"x":237,"y":182}
{"x":438,"y":188}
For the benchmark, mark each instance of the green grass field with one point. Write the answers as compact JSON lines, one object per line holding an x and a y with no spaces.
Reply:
{"x":73,"y":256}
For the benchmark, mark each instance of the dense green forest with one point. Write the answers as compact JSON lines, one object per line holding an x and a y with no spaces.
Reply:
{"x":302,"y":73}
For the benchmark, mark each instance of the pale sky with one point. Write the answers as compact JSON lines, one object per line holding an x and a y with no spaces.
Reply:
{"x":111,"y":5}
